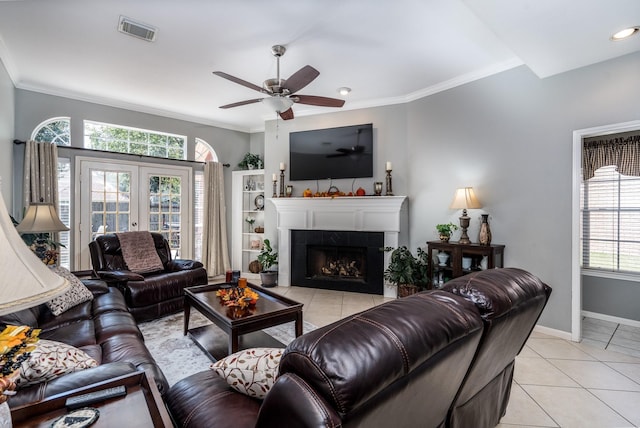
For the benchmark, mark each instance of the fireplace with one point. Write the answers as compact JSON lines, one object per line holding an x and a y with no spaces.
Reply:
{"x":338,"y":260}
{"x":382,"y":215}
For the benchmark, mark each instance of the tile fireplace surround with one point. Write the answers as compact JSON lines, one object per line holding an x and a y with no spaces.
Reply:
{"x":387,"y":214}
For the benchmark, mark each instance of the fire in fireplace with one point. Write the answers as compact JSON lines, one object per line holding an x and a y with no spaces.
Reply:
{"x":338,"y":260}
{"x":336,"y":263}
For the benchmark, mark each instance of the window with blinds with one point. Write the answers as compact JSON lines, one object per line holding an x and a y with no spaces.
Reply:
{"x":610,"y":221}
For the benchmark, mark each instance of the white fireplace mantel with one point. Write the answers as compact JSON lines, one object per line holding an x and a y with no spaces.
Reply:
{"x":388,"y":214}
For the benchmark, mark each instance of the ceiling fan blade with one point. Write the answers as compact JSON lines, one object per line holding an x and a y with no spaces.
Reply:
{"x":240,"y":81}
{"x":287,"y":114}
{"x":242,"y":103}
{"x":301,"y":78}
{"x":318,"y":101}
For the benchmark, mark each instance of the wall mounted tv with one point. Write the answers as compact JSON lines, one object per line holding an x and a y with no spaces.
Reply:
{"x":344,"y":152}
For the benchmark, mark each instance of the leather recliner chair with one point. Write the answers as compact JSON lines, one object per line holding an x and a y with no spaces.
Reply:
{"x":150,"y":295}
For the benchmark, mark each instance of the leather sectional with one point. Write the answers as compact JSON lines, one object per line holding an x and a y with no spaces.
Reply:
{"x":434,"y":359}
{"x":103,"y":328}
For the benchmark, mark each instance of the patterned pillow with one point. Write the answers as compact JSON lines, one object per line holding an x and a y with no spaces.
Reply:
{"x":252,"y":371}
{"x":75,"y":295}
{"x":52,"y":359}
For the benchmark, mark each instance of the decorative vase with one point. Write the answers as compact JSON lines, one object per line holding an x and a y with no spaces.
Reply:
{"x":443,"y":258}
{"x":444,"y":238}
{"x":485,"y":231}
{"x":405,"y":290}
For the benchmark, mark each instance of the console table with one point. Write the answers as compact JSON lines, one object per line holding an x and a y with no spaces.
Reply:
{"x":478,"y":257}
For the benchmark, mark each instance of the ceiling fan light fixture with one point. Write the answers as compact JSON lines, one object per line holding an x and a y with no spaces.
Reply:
{"x":278,"y":103}
{"x":344,"y":91}
{"x":625,"y":33}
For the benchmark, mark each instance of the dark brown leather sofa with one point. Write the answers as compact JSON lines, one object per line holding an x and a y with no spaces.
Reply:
{"x":103,"y":328}
{"x":435,"y":359}
{"x":152,"y":295}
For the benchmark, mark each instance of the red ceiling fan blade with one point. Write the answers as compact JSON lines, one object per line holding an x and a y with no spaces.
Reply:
{"x":301,"y":78}
{"x":242,"y":103}
{"x":240,"y":81}
{"x":318,"y":101}
{"x":287,"y":114}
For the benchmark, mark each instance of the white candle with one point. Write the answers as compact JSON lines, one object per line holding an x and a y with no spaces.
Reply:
{"x":281,"y":166}
{"x":275,"y":177}
{"x":389,"y":166}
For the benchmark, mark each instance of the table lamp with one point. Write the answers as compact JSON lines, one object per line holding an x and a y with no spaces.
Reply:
{"x":26,"y":281}
{"x":41,"y":219}
{"x":464,"y":199}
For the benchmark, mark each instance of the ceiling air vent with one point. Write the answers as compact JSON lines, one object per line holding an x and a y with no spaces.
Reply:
{"x":136,"y":29}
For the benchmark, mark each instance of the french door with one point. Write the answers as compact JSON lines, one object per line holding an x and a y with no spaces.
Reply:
{"x":121,"y":196}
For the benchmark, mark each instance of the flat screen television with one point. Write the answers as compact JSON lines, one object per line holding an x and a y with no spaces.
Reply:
{"x":344,"y":152}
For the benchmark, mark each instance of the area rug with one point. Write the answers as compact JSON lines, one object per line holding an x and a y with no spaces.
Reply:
{"x":178,"y":356}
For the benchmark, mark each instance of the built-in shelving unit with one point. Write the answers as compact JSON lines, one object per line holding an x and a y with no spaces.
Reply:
{"x":247,"y":201}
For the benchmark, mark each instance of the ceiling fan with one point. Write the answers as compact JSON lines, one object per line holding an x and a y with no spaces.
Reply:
{"x":282,"y":92}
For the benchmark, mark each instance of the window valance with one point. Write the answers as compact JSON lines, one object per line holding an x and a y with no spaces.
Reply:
{"x":623,"y":152}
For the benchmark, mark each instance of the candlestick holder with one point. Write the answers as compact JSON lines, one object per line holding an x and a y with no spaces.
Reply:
{"x":282,"y":183}
{"x":389,"y":186}
{"x":275,"y":188}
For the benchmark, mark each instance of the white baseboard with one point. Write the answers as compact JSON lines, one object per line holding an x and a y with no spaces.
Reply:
{"x":618,"y":320}
{"x":552,"y":332}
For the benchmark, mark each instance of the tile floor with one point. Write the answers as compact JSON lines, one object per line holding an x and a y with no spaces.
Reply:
{"x":557,"y":383}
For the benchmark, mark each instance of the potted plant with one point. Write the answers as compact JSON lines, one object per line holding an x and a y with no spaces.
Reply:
{"x":251,"y":161}
{"x":268,"y":258}
{"x":405,"y":271}
{"x":445,"y":231}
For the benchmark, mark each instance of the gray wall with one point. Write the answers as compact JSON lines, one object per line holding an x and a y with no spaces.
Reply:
{"x":510,"y":137}
{"x":7,"y":119}
{"x":611,"y":297}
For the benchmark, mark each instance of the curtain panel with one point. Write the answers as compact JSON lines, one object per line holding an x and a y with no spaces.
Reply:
{"x":40,"y":180}
{"x":215,"y":250}
{"x":623,"y":152}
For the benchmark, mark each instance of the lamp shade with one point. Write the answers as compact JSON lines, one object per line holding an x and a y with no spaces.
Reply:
{"x":25,"y":281}
{"x":465,"y":198}
{"x":41,"y":218}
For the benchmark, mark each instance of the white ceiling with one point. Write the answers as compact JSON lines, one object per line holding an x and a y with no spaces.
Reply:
{"x":387,"y":51}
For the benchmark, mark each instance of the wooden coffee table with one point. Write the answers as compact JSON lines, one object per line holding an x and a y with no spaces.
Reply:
{"x":231,"y":332}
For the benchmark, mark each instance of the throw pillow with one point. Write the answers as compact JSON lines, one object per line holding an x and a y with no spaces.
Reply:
{"x":52,"y":359}
{"x":252,"y":371}
{"x":75,"y":295}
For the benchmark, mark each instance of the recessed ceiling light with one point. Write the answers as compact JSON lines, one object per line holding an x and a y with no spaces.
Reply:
{"x":344,"y":90}
{"x":626,"y":33}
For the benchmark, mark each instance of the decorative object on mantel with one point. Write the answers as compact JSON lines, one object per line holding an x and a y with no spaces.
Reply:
{"x":389,"y":184}
{"x":275,"y":185}
{"x":484,"y":237}
{"x":445,"y":231}
{"x":289,"y":190}
{"x":377,"y":188}
{"x":268,"y":258}
{"x":410,"y":274}
{"x":282,"y":169}
{"x":251,"y":161}
{"x":464,"y":199}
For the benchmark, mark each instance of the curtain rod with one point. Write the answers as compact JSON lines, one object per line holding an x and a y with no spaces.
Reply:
{"x":18,"y":142}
